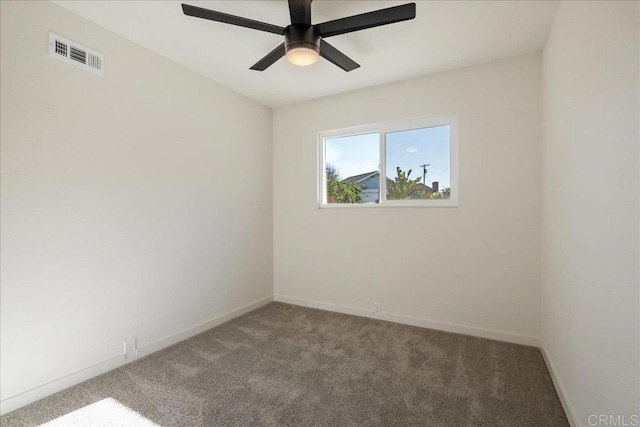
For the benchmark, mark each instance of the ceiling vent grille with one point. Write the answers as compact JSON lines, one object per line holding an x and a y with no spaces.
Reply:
{"x":76,"y":54}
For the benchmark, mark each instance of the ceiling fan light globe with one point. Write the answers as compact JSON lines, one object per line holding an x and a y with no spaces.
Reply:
{"x":302,"y":56}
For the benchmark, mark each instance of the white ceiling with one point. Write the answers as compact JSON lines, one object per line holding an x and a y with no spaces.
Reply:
{"x":444,"y":35}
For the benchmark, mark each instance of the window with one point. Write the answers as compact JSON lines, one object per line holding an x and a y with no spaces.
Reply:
{"x":417,"y":157}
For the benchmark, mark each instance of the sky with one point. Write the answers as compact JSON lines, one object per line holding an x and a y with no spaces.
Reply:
{"x":354,"y":155}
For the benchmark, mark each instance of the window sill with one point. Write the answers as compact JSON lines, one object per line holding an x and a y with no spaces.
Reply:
{"x":402,"y":205}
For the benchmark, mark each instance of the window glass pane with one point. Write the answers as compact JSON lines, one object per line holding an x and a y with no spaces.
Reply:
{"x":418,"y":164}
{"x":352,"y":169}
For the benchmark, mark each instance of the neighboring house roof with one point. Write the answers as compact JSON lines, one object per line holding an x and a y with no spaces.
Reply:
{"x":357,"y":179}
{"x":421,"y":186}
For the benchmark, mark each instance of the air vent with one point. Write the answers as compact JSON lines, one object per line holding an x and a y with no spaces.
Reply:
{"x":61,"y":48}
{"x":76,"y":54}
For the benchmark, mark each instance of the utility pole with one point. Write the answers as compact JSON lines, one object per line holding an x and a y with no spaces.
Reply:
{"x":424,"y":172}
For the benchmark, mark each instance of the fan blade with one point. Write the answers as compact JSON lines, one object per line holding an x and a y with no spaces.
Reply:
{"x":270,"y":59}
{"x":367,"y":20}
{"x":338,"y":58}
{"x":300,"y":11}
{"x":212,"y":15}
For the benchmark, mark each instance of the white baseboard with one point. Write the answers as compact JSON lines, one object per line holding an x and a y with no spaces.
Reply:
{"x":562,"y":392}
{"x":19,"y":400}
{"x":414,"y":321}
{"x":154,"y":346}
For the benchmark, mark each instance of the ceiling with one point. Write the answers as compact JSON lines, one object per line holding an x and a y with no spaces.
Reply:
{"x":444,"y":35}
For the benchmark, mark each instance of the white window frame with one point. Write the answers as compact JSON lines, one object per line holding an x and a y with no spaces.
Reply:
{"x":383,"y":129}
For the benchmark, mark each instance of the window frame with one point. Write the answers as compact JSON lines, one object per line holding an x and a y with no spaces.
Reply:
{"x":383,"y":128}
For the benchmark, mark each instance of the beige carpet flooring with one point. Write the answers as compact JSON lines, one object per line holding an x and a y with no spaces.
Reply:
{"x":284,"y":365}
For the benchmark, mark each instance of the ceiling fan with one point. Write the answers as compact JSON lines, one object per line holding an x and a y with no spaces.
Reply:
{"x":304,"y":42}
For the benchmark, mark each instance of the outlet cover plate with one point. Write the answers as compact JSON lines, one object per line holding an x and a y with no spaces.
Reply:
{"x":377,"y":309}
{"x":131,"y":348}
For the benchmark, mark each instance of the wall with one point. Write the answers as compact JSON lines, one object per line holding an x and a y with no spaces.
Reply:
{"x":474,"y":268}
{"x":137,"y":204}
{"x":591,"y":202}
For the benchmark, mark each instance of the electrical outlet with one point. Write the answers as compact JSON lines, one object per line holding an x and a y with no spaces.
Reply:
{"x":131,"y":348}
{"x":377,"y":309}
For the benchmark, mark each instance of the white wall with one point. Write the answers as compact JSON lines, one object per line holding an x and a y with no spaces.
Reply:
{"x":137,"y":204}
{"x":478,"y":265}
{"x":591,"y":207}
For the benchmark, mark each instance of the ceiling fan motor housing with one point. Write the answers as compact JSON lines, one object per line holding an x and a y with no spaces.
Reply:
{"x":300,"y":35}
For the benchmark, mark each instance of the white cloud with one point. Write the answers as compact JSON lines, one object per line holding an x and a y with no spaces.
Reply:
{"x":412,"y":150}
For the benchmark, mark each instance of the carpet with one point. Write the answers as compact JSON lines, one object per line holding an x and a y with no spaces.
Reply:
{"x":104,"y":413}
{"x":284,"y":365}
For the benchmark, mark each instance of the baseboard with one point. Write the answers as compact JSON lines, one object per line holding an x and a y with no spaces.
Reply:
{"x":19,"y":400}
{"x":154,"y":346}
{"x":562,"y":392}
{"x":414,"y":321}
